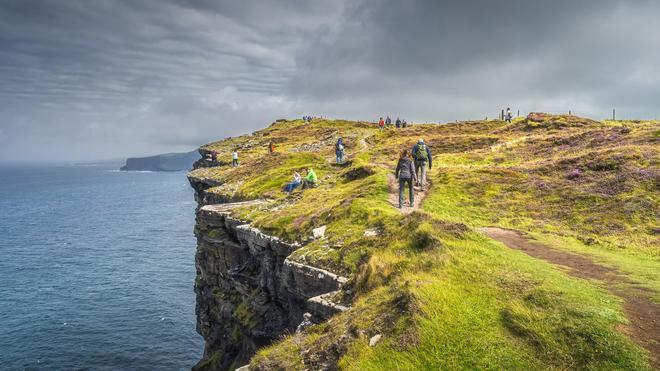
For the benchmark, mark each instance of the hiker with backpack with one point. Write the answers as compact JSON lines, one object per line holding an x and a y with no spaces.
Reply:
{"x":508,"y":115}
{"x":405,"y":174}
{"x":381,"y":123}
{"x":422,"y":154}
{"x":339,"y":150}
{"x":388,"y":121}
{"x":404,"y":123}
{"x":398,"y":123}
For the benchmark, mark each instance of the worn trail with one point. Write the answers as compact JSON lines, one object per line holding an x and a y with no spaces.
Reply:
{"x":393,"y":186}
{"x":643,"y":314}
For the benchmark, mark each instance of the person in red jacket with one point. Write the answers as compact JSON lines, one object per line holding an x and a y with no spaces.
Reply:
{"x":381,"y":124}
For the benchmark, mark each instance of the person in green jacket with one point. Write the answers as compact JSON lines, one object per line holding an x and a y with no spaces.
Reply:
{"x":310,"y":179}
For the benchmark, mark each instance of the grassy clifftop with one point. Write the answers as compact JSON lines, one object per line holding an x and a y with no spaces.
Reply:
{"x":439,"y":291}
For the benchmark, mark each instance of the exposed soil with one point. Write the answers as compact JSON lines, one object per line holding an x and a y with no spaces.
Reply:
{"x":643,"y":314}
{"x":393,"y":186}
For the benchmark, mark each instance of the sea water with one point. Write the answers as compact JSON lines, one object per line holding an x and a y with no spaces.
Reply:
{"x":96,"y":269}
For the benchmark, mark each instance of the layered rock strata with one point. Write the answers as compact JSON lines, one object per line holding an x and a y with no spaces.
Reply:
{"x":249,"y":292}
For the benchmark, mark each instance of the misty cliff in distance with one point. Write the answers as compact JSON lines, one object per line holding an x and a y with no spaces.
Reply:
{"x":164,"y":162}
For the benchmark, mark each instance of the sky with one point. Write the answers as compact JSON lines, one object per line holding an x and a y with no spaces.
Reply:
{"x":86,"y":80}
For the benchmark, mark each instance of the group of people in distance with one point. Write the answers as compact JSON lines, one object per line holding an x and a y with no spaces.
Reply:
{"x":411,"y":171}
{"x":309,"y":181}
{"x":308,"y":118}
{"x":382,"y":124}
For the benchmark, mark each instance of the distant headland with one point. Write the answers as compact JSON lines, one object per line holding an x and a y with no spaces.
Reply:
{"x":163,"y":162}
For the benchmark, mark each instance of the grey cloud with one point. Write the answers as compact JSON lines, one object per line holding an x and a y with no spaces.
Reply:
{"x":112,"y":78}
{"x":82,"y":79}
{"x":465,"y":59}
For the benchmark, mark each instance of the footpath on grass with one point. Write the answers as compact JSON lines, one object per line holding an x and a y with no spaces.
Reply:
{"x":643,"y":314}
{"x":393,"y":187}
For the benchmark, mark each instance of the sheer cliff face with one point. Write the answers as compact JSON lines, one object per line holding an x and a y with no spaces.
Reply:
{"x":242,"y":301}
{"x":248,"y":292}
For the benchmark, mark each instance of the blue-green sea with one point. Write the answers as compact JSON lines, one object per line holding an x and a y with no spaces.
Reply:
{"x":96,"y":269}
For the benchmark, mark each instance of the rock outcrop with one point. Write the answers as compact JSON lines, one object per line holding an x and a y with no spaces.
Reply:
{"x":248,"y":291}
{"x":164,"y":162}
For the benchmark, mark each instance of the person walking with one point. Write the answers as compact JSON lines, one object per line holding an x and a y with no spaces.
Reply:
{"x":339,"y":150}
{"x":508,"y":115}
{"x":422,"y":154}
{"x":234,"y":158}
{"x":404,"y":123}
{"x":381,"y":123}
{"x":388,"y":121}
{"x":398,"y":123}
{"x":405,"y":174}
{"x":214,"y":158}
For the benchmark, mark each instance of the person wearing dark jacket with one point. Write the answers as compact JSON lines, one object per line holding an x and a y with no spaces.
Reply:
{"x":422,"y":154}
{"x":339,"y":150}
{"x":405,"y":173}
{"x":214,"y":158}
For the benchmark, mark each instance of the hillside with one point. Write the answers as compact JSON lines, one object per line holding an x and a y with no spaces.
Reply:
{"x":164,"y":162}
{"x":535,"y":247}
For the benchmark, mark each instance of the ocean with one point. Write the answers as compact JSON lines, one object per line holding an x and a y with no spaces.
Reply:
{"x":96,"y":270}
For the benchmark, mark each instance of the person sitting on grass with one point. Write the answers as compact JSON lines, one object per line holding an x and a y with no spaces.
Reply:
{"x":405,"y":173}
{"x":297,"y":180}
{"x":310,"y":179}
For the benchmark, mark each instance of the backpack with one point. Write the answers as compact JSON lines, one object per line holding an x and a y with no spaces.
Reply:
{"x":340,"y":147}
{"x":421,"y":154}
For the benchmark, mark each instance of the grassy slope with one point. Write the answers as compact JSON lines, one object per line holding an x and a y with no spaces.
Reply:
{"x":442,"y":294}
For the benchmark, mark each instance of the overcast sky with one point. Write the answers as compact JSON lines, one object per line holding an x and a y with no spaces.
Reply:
{"x":86,"y":80}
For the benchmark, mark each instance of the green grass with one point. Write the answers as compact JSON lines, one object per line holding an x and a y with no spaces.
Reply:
{"x":488,"y":307}
{"x":443,"y":295}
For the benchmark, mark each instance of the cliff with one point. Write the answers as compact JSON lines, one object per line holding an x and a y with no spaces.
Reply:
{"x":431,"y":287}
{"x":164,"y":162}
{"x":248,"y":293}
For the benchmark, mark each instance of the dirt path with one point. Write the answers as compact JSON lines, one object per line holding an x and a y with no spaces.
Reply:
{"x":393,"y":186}
{"x":643,"y":314}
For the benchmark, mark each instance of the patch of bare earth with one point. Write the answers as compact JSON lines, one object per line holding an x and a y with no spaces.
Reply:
{"x":393,"y":186}
{"x":643,"y":314}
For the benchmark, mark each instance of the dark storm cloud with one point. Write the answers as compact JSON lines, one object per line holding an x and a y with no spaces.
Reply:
{"x":113,"y":78}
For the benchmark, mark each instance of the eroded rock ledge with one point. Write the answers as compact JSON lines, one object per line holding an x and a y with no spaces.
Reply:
{"x":248,"y":292}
